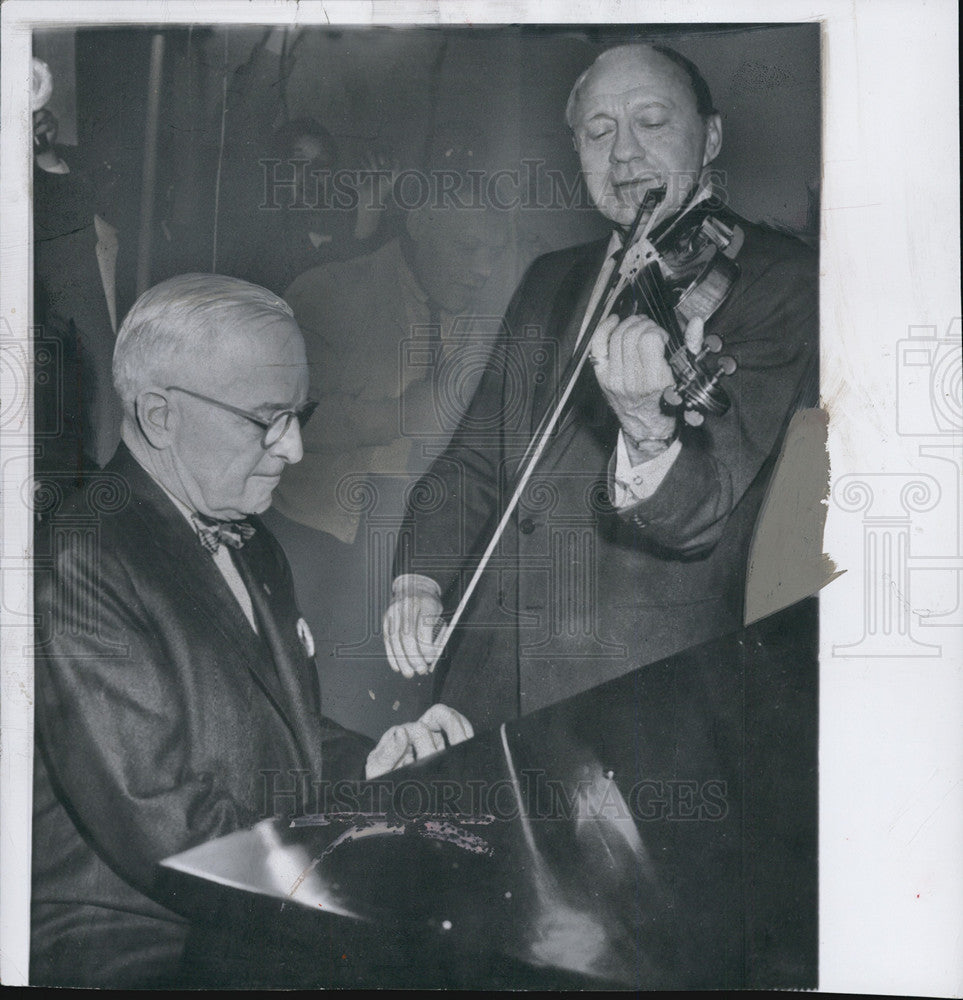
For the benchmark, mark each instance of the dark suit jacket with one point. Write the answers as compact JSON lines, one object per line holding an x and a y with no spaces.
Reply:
{"x":578,"y":593}
{"x":161,"y":722}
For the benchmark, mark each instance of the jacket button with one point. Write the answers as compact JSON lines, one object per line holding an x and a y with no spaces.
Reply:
{"x":527,"y":526}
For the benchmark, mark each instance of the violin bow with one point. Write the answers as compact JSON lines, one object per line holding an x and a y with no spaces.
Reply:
{"x":634,"y":254}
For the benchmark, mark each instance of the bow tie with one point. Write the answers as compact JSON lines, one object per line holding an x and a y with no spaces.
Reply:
{"x":213,"y":533}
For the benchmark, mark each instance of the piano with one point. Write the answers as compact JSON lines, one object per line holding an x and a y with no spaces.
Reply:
{"x":657,"y":831}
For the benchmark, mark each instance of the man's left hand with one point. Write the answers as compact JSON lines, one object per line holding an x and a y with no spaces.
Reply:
{"x":629,"y":361}
{"x":413,"y":741}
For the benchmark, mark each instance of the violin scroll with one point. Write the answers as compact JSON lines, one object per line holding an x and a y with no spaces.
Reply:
{"x":697,"y":390}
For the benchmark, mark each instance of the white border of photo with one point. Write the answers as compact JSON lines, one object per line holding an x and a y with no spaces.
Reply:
{"x":891,"y":714}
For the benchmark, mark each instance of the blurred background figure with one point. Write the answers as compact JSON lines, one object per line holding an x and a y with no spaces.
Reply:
{"x":396,"y":343}
{"x":309,"y":210}
{"x":78,"y":299}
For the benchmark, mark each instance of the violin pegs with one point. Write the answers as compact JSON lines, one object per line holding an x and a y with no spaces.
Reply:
{"x":727,"y":365}
{"x":671,"y":397}
{"x":693,"y":418}
{"x":711,"y":345}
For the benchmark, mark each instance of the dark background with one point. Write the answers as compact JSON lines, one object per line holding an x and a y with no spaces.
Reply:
{"x":493,"y":96}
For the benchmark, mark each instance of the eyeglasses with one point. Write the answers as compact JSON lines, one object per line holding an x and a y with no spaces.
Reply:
{"x":274,"y":429}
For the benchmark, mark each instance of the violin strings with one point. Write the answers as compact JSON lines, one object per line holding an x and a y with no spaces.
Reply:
{"x":654,"y":294}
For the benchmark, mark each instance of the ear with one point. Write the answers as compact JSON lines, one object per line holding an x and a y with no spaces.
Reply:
{"x":713,"y":139}
{"x":155,"y":417}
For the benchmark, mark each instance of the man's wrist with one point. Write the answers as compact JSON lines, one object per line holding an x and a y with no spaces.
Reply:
{"x":650,"y":446}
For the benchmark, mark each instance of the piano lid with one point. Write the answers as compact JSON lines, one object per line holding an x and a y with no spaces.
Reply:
{"x":657,"y":831}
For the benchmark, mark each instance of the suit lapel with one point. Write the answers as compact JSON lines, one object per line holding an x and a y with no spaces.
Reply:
{"x":288,"y":661}
{"x":193,"y":570}
{"x":271,"y":594}
{"x":565,"y":321}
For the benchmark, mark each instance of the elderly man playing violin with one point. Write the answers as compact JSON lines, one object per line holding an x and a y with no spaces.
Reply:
{"x":628,"y":540}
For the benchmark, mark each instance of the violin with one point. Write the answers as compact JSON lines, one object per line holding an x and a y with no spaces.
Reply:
{"x":674,"y":273}
{"x":685,"y":269}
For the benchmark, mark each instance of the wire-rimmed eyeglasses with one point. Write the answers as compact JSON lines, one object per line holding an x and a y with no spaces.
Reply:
{"x":274,"y":429}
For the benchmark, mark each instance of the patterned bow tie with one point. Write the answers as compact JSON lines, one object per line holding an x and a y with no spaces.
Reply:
{"x":212,"y":533}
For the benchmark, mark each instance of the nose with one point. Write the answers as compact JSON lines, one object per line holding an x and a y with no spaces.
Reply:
{"x":626,"y":146}
{"x":289,"y":445}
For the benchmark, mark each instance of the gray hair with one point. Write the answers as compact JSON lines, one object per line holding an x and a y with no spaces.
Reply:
{"x":184,"y":316}
{"x":700,"y":89}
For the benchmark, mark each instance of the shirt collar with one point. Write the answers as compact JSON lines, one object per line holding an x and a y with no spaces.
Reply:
{"x":185,"y":510}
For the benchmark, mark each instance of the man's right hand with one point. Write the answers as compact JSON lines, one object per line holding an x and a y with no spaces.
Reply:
{"x":410,"y":623}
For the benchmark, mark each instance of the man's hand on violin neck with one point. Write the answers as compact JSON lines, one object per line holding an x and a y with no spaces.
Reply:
{"x":630,"y":364}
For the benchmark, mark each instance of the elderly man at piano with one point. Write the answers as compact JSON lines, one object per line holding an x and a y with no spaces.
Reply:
{"x":629,"y":541}
{"x":176,"y":685}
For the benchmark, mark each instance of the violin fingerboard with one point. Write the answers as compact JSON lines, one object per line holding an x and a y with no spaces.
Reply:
{"x":704,"y":296}
{"x":659,"y":303}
